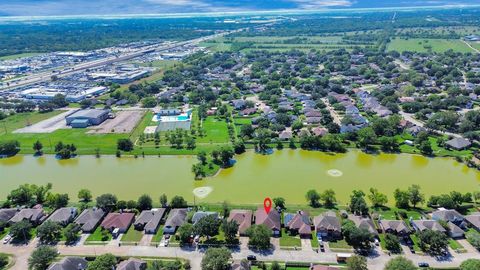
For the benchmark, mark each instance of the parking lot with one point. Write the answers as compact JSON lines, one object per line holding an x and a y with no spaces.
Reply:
{"x":124,"y":122}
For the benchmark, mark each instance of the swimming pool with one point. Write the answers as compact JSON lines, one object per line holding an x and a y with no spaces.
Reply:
{"x":171,"y":118}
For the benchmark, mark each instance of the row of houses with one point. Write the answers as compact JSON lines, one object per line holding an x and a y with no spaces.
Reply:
{"x":79,"y":263}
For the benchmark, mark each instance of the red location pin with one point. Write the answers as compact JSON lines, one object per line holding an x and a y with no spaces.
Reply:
{"x":267,"y":205}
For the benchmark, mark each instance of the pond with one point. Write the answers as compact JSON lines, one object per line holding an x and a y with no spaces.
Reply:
{"x":286,"y":173}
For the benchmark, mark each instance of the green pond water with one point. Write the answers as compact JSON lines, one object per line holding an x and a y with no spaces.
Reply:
{"x":287,"y":173}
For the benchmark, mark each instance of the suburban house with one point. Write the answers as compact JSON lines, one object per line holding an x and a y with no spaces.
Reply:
{"x":271,"y":220}
{"x":397,"y":227}
{"x":6,"y":214}
{"x":69,"y":263}
{"x":298,"y":223}
{"x":364,"y":223}
{"x":89,"y":219}
{"x":285,"y":135}
{"x":243,"y":219}
{"x":63,"y":216}
{"x":474,"y":220}
{"x":327,"y":225}
{"x":201,"y":214}
{"x":454,"y":231}
{"x":448,"y":215}
{"x":132,"y":264}
{"x":149,"y":220}
{"x":176,"y":218}
{"x":118,"y":222}
{"x":458,"y":143}
{"x":34,"y":215}
{"x":421,"y":225}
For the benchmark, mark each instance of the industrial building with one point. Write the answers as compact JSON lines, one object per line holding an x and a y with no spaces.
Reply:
{"x":71,"y":95}
{"x":86,"y":118}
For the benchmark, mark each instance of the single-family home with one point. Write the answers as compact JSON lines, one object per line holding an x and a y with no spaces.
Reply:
{"x":270,"y":219}
{"x":454,"y":231}
{"x":34,"y":215}
{"x":7,"y":213}
{"x":421,"y":225}
{"x":69,"y":263}
{"x":298,"y":223}
{"x":285,"y":135}
{"x":327,"y":225}
{"x":149,"y":220}
{"x":89,"y":219}
{"x":132,"y":264}
{"x":415,"y":130}
{"x":176,"y":218}
{"x":474,"y":220}
{"x":243,"y":219}
{"x":448,"y":215}
{"x":201,"y":214}
{"x":319,"y":131}
{"x":458,"y":143}
{"x":63,"y":215}
{"x":118,"y":222}
{"x":363,"y":223}
{"x":397,"y":227}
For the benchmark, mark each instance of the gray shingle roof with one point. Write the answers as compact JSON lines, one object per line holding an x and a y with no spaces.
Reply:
{"x":30,"y":214}
{"x":7,"y":214}
{"x":458,"y":143}
{"x":63,"y":215}
{"x":70,"y":263}
{"x":201,"y":214}
{"x":327,"y":221}
{"x":90,"y":218}
{"x":176,"y":218}
{"x":149,"y":220}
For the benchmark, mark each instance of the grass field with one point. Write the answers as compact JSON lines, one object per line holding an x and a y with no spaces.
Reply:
{"x":289,"y":241}
{"x":16,"y":56}
{"x":158,"y":236}
{"x":97,"y":236}
{"x":132,"y":235}
{"x":339,"y":244}
{"x":425,"y":45}
{"x":21,"y":120}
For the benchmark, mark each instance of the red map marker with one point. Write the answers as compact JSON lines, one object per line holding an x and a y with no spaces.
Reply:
{"x":267,"y":205}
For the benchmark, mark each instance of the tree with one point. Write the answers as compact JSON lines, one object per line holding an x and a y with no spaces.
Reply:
{"x":124,"y":145}
{"x":392,"y":243}
{"x":377,"y":198}
{"x":3,"y":260}
{"x":226,"y":154}
{"x":59,"y":100}
{"x":49,"y":232}
{"x":103,"y":262}
{"x":37,"y":146}
{"x":71,"y":233}
{"x":42,"y":257}
{"x":328,"y":197}
{"x":313,"y":197}
{"x":357,"y":262}
{"x":198,"y":171}
{"x":163,"y":200}
{"x":279,"y":202}
{"x":216,"y":259}
{"x":415,"y":197}
{"x":107,"y":201}
{"x":275,"y":266}
{"x":9,"y":148}
{"x":358,"y":205}
{"x":230,"y":228}
{"x":470,"y":264}
{"x":57,"y":200}
{"x":185,"y":233}
{"x":144,"y":202}
{"x":366,"y":137}
{"x":400,"y":263}
{"x":202,"y":157}
{"x":474,"y":239}
{"x":21,"y":230}
{"x":402,"y":198}
{"x":433,"y":242}
{"x":178,"y":202}
{"x":84,"y":195}
{"x":259,"y":236}
{"x":207,"y":226}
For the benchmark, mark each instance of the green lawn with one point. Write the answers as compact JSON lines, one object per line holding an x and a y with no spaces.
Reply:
{"x":216,"y":131}
{"x":339,"y":244}
{"x":16,"y":56}
{"x":158,"y":236}
{"x":132,"y":235}
{"x":289,"y":241}
{"x":415,"y":242}
{"x":314,"y":240}
{"x":96,"y":236}
{"x":454,"y":244}
{"x":4,"y":232}
{"x":20,"y":120}
{"x":423,"y":45}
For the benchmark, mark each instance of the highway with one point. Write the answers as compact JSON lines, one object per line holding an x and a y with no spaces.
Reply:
{"x":69,"y":70}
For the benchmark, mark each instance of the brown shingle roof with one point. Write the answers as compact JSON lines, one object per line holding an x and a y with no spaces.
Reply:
{"x":118,"y":220}
{"x":398,"y":226}
{"x":327,"y":221}
{"x":243,"y":218}
{"x":271,"y":220}
{"x":300,"y":222}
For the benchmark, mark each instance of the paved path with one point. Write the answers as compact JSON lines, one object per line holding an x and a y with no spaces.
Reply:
{"x":471,"y":47}
{"x":333,"y":113}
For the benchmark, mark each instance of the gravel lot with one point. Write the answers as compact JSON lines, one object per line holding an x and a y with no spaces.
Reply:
{"x":124,"y":122}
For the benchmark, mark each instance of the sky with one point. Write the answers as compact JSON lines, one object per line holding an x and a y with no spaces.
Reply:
{"x":110,"y":7}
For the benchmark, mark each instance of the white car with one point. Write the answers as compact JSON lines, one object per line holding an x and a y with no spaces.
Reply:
{"x":7,"y":239}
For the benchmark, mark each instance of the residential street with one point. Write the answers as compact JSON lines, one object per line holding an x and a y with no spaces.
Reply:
{"x":375,"y":262}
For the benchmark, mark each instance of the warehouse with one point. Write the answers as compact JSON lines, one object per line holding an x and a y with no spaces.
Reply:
{"x":85,"y":118}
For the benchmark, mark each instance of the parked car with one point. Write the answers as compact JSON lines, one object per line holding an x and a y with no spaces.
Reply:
{"x":377,"y":243}
{"x":7,"y":239}
{"x":423,"y":264}
{"x":251,"y":258}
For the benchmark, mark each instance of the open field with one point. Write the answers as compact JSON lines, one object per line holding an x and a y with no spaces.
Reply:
{"x":21,"y":120}
{"x":16,"y":56}
{"x":124,"y":122}
{"x":425,"y":45}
